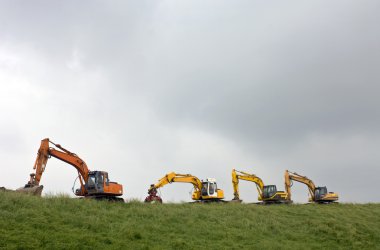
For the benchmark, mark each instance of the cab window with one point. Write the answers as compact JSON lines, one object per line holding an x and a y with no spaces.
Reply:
{"x":91,"y":181}
{"x":107,"y":181}
{"x":100,"y":179}
{"x":212,"y":188}
{"x":204,"y":188}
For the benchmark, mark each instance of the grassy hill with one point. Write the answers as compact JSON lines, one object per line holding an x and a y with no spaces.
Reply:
{"x":63,"y":223}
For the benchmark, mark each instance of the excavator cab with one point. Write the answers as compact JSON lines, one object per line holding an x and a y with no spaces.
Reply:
{"x":272,"y":195}
{"x":99,"y":184}
{"x":320,"y":192}
{"x":95,"y":183}
{"x":210,"y":190}
{"x":269,"y":191}
{"x":323,"y":196}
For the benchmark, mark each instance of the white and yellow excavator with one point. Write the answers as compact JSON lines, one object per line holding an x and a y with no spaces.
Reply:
{"x":268,"y":194}
{"x":317,"y":194}
{"x":204,"y":191}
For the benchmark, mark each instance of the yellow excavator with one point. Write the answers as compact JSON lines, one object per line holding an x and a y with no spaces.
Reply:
{"x":204,"y":191}
{"x":268,"y":194}
{"x":93,"y":184}
{"x":317,"y":194}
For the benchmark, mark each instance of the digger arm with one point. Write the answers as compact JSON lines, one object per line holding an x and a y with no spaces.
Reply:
{"x":236,"y":175}
{"x":45,"y":152}
{"x":289,"y":177}
{"x":40,"y":163}
{"x":174,"y":177}
{"x":288,"y":185}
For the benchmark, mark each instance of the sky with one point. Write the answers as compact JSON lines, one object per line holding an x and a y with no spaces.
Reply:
{"x":143,"y":88}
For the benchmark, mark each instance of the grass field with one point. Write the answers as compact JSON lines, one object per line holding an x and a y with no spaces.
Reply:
{"x":63,"y":223}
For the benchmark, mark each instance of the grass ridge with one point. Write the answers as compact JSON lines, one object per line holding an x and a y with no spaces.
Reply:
{"x":59,"y":222}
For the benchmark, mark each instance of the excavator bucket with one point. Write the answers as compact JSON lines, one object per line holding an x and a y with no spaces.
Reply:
{"x":236,"y":200}
{"x":153,"y":197}
{"x":3,"y":189}
{"x":35,"y":190}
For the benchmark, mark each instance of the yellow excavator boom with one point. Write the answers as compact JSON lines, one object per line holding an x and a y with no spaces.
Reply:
{"x":185,"y":178}
{"x":236,"y":175}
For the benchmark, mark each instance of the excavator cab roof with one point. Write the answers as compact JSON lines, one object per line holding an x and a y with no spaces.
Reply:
{"x":321,"y":190}
{"x":212,"y":180}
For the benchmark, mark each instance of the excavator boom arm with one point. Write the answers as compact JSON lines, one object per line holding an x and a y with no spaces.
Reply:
{"x":289,"y":176}
{"x":240,"y":175}
{"x":45,"y":152}
{"x":73,"y":160}
{"x":40,"y":163}
{"x":174,"y":177}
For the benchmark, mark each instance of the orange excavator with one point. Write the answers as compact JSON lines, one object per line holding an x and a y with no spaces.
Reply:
{"x":93,"y":184}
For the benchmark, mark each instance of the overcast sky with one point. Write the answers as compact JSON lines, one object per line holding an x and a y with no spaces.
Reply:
{"x":143,"y":88}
